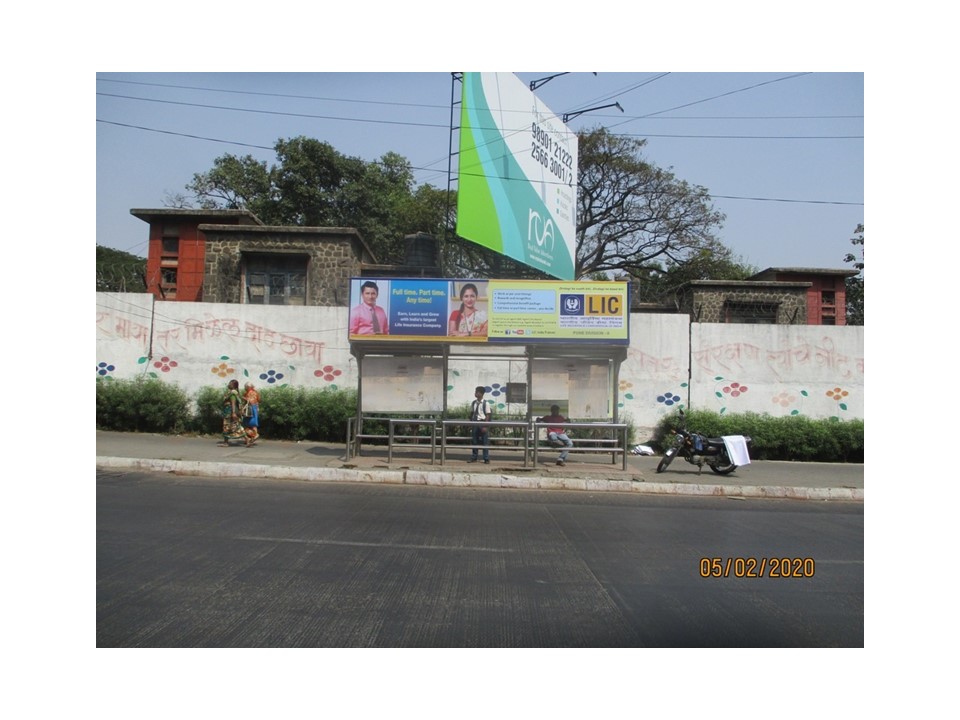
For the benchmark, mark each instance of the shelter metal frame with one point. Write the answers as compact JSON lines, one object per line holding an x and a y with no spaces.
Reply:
{"x":614,"y":354}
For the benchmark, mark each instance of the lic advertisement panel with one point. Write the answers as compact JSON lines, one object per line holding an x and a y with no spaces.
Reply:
{"x":517,"y":187}
{"x":488,"y":311}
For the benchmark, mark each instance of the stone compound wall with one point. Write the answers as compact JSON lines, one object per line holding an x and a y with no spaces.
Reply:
{"x":814,"y":371}
{"x":707,"y":305}
{"x":332,"y":260}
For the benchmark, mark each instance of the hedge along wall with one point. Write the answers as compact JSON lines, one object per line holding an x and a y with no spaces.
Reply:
{"x":814,"y":371}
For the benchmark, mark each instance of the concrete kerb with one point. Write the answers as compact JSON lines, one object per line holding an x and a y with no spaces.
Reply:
{"x":473,"y":480}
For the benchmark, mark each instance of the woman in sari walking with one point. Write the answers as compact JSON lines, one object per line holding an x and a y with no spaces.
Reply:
{"x":251,"y":413}
{"x":231,"y":410}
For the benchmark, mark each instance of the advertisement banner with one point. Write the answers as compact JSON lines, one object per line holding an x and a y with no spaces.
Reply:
{"x":528,"y":311}
{"x":517,"y":182}
{"x":494,"y":311}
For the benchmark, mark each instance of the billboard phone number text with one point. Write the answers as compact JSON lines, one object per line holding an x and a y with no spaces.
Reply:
{"x":551,"y":155}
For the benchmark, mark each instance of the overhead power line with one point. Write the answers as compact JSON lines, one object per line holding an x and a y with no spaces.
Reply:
{"x":785,"y":200}
{"x":649,"y":116}
{"x":603,"y":98}
{"x":712,"y":97}
{"x":276,"y":112}
{"x":446,"y":125}
{"x":277,"y":95}
{"x":427,"y":169}
{"x":186,"y":135}
{"x":743,"y":137}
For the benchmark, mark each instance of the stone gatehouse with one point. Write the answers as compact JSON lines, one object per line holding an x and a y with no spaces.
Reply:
{"x":746,"y":301}
{"x":281,"y":265}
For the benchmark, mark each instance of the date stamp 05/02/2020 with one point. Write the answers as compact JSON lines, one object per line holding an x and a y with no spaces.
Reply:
{"x":752,"y":567}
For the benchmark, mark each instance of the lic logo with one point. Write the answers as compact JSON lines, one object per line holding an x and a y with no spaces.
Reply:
{"x":539,"y":231}
{"x":571,"y":304}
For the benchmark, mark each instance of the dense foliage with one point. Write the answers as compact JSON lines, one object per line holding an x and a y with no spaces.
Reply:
{"x":855,"y":310}
{"x":636,"y":218}
{"x":633,"y":217}
{"x":659,"y":283}
{"x":312,"y":184}
{"x":144,"y":405}
{"x":286,"y":413}
{"x":119,"y":271}
{"x":776,"y":438}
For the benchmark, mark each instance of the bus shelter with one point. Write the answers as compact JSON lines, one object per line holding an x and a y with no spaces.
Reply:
{"x":532,"y":351}
{"x":405,"y":393}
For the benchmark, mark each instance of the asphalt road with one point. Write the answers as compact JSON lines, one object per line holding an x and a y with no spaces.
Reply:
{"x":205,"y":562}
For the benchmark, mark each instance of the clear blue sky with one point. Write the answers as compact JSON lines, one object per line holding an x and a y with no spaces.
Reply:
{"x":782,"y":153}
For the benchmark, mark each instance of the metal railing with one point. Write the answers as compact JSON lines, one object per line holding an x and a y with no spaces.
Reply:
{"x":615,"y":445}
{"x":519,"y":441}
{"x":508,"y":435}
{"x":392,"y":439}
{"x":395,"y":440}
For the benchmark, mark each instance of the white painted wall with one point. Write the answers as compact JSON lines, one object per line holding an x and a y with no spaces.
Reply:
{"x":201,"y":344}
{"x":124,"y":327}
{"x":814,"y":371}
{"x":654,"y":377}
{"x":810,"y":370}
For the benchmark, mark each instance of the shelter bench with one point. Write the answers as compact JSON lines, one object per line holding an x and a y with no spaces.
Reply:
{"x":615,"y":444}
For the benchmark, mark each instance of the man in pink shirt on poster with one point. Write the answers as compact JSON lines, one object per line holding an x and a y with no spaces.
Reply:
{"x":368,"y":318}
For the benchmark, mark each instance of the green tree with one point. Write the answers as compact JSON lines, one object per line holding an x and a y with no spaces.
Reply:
{"x":312,"y":184}
{"x":636,"y":218}
{"x":659,"y":283}
{"x":633,"y":217}
{"x":428,"y":209}
{"x":237,"y":183}
{"x":119,"y":271}
{"x":855,"y":310}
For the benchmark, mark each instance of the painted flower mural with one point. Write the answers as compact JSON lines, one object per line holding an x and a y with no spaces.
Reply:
{"x":735,"y":389}
{"x":165,"y":364}
{"x":784,"y":399}
{"x":271,"y":376}
{"x":496,"y":390}
{"x":839,"y":395}
{"x":222,"y":370}
{"x":728,"y":390}
{"x":328,"y":373}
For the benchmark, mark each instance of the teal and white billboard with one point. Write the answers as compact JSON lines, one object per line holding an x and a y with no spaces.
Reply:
{"x":517,"y":189}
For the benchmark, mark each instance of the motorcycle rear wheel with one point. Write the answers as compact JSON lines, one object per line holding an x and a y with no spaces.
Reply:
{"x":723,"y":467}
{"x":667,"y":459}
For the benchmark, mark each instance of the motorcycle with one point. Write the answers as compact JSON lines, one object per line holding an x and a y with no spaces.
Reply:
{"x":699,"y":450}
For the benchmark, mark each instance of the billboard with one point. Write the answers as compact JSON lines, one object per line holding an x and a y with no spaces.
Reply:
{"x":517,"y":188}
{"x":488,"y":311}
